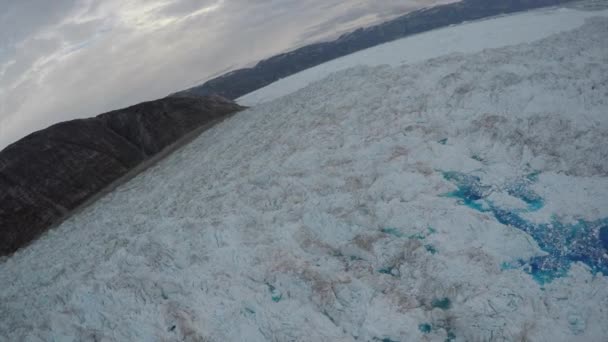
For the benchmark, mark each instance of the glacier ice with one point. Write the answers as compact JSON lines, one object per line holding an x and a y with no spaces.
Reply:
{"x":275,"y":224}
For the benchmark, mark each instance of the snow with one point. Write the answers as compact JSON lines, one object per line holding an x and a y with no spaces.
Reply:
{"x":366,"y":206}
{"x":466,"y":38}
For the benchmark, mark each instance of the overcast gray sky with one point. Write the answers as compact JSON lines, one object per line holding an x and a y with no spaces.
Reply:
{"x":64,"y":59}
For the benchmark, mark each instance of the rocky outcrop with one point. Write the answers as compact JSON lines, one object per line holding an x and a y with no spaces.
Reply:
{"x":240,"y":82}
{"x":49,"y":173}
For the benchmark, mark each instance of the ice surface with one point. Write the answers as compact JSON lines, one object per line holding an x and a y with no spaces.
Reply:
{"x":565,"y":243}
{"x":326,"y":215}
{"x":467,"y":38}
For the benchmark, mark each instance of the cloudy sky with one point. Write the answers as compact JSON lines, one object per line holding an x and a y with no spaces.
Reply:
{"x":63,"y":59}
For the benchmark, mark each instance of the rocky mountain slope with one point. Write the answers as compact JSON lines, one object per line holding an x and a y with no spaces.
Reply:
{"x":51,"y":172}
{"x":240,"y":82}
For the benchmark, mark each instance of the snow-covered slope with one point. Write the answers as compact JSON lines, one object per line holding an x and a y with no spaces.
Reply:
{"x":461,"y":198}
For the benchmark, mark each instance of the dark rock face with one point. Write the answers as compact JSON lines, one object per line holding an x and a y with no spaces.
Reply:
{"x":51,"y":172}
{"x":240,"y":82}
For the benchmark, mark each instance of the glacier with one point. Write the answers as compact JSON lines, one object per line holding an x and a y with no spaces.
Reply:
{"x":363,"y":206}
{"x":472,"y":37}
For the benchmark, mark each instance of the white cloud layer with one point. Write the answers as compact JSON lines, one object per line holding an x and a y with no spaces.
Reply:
{"x":65,"y":59}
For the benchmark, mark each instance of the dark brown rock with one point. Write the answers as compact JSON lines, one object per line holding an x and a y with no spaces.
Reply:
{"x":49,"y":173}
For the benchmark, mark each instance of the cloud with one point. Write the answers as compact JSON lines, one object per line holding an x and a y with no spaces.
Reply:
{"x":64,"y":59}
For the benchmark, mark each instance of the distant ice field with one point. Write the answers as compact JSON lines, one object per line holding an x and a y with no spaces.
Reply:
{"x":457,"y":198}
{"x":465,"y":38}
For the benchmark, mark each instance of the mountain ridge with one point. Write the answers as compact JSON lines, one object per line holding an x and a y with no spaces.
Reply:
{"x":51,"y":172}
{"x":237,"y":83}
